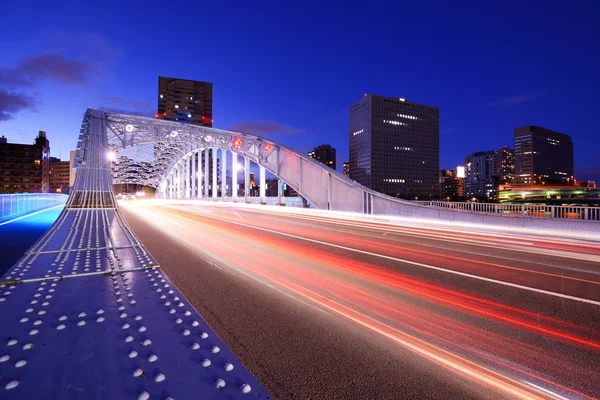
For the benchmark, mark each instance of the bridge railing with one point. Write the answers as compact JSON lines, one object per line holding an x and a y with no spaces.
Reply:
{"x":14,"y":205}
{"x":521,"y":210}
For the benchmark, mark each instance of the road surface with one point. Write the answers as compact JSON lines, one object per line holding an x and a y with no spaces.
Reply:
{"x":339,"y":308}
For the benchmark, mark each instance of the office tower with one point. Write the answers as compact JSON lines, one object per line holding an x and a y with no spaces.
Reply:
{"x":542,"y":157}
{"x":346,"y":169}
{"x":324,"y":154}
{"x":453,"y":185}
{"x":394,"y":146}
{"x":185,"y":101}
{"x":504,"y":165}
{"x":479,"y":175}
{"x":59,"y":174}
{"x":25,"y":167}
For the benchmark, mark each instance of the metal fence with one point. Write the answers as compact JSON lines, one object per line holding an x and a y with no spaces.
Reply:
{"x":14,"y":205}
{"x":521,"y":210}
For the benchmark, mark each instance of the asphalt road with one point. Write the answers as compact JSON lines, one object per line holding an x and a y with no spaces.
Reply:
{"x":336,"y":308}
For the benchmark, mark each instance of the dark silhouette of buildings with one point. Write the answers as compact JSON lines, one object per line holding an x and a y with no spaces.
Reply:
{"x":185,"y":101}
{"x":394,"y":147}
{"x":324,"y":154}
{"x":542,"y":157}
{"x":25,"y":168}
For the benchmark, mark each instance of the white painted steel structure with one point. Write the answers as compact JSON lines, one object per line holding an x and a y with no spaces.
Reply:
{"x":526,"y":210}
{"x":177,"y":146}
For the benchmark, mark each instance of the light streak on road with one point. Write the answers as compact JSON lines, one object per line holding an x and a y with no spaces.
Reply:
{"x":525,"y":329}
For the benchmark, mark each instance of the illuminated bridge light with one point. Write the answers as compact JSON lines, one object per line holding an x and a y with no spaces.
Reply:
{"x":237,"y":142}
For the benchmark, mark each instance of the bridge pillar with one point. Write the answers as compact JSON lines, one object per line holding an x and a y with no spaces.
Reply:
{"x":206,"y":152}
{"x":263,"y":184}
{"x":280,"y":197}
{"x":177,"y":181}
{"x":200,"y":175}
{"x":234,"y":173}
{"x":181,"y":181}
{"x":193,"y":159}
{"x":187,"y":177}
{"x":246,"y":179}
{"x":223,"y":174}
{"x":214,"y":174}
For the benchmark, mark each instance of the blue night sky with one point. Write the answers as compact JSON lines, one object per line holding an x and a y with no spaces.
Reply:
{"x":290,"y":71}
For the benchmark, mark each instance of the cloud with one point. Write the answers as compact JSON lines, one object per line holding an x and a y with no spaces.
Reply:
{"x":265,"y":128}
{"x":52,"y":66}
{"x":509,"y":101}
{"x":13,"y":102}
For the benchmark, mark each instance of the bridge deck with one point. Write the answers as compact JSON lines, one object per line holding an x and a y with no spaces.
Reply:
{"x":87,"y":312}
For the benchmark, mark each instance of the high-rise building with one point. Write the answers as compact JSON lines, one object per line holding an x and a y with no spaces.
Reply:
{"x":453,"y":186}
{"x":25,"y":167}
{"x":185,"y":101}
{"x":324,"y":154}
{"x":479,"y":175}
{"x":394,"y":146}
{"x":542,"y":157}
{"x":504,"y":165}
{"x":346,"y":169}
{"x":59,"y":175}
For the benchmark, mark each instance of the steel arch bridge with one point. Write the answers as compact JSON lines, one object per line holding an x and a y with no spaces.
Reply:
{"x":185,"y":166}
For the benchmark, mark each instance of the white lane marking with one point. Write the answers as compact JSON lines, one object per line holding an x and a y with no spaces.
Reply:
{"x":205,"y":255}
{"x":481,"y":278}
{"x":30,"y":215}
{"x":472,"y":241}
{"x":547,"y":391}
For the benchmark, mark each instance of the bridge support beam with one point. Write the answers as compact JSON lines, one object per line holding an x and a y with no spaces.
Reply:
{"x":234,"y":173}
{"x":214,"y":174}
{"x":177,"y":181}
{"x":246,"y":179}
{"x":263,"y":184}
{"x":193,"y":158}
{"x":223,"y":174}
{"x":280,"y":197}
{"x":199,"y":174}
{"x":206,"y":152}
{"x":187,"y":177}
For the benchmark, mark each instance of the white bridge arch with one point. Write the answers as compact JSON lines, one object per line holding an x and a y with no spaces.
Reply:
{"x":180,"y":154}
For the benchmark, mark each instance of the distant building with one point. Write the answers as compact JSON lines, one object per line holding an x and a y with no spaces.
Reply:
{"x":453,"y":186}
{"x":25,"y":167}
{"x":551,"y":194}
{"x":394,"y":146}
{"x":479,"y":175}
{"x":542,"y":157}
{"x":346,"y":168}
{"x":73,"y":170}
{"x":185,"y":101}
{"x":59,"y":175}
{"x":504,"y":165}
{"x":324,"y":154}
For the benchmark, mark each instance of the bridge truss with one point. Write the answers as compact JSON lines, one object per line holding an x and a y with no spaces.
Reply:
{"x":88,"y":313}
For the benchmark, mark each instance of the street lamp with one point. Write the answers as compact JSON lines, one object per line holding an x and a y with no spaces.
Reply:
{"x":111,"y":156}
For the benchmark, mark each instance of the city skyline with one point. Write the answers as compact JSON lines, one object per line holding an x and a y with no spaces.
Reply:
{"x":48,"y":77}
